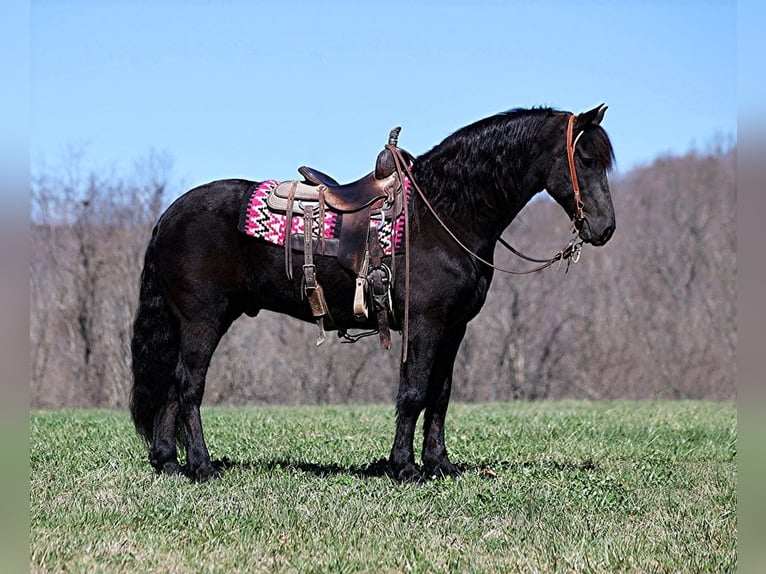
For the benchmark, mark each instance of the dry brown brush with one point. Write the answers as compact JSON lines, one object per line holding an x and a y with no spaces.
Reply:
{"x":650,"y":315}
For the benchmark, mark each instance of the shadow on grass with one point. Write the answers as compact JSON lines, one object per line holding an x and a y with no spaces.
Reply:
{"x":380,"y":468}
{"x":376,"y":469}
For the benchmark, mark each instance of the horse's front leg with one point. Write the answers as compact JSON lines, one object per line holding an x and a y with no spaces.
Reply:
{"x":411,"y":397}
{"x":435,"y":459}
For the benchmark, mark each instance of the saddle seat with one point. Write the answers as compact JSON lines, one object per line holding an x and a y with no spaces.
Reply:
{"x":346,"y":198}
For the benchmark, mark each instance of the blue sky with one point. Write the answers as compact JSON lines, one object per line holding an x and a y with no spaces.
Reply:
{"x":255,"y":89}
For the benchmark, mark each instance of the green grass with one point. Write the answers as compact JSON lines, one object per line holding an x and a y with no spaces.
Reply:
{"x":549,"y":487}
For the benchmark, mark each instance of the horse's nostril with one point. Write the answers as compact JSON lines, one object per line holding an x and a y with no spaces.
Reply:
{"x":607,"y":235}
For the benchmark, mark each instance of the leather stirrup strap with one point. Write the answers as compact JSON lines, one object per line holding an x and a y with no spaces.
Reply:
{"x":314,"y":292}
{"x":379,"y":286}
{"x":322,"y":213}
{"x":288,"y":231}
{"x":309,"y":269}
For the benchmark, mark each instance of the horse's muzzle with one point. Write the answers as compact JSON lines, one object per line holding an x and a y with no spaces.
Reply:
{"x":588,"y":235}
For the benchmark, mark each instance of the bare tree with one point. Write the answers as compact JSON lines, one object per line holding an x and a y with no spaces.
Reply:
{"x":88,"y":236}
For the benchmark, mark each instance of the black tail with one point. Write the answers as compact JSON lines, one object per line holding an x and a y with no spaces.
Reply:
{"x":154,"y":348}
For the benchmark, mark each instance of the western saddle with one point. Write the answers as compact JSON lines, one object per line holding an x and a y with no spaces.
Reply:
{"x":377,"y":195}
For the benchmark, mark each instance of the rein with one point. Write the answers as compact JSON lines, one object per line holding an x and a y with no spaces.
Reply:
{"x":569,"y":252}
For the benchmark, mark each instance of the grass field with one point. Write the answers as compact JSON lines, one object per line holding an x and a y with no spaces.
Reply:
{"x":547,"y":487}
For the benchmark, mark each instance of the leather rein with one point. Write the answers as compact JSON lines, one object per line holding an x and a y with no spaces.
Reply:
{"x":569,"y":253}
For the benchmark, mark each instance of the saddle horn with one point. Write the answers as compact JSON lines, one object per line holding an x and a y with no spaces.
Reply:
{"x":393,"y":136}
{"x":385,"y":164}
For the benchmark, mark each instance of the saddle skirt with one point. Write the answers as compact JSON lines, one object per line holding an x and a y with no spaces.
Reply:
{"x":262,"y":218}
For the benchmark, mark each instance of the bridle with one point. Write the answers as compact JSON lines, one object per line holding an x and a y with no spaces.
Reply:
{"x":579,"y":216}
{"x":569,"y":253}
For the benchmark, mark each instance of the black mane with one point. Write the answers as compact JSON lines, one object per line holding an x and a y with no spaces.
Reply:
{"x":600,"y":147}
{"x":492,"y":152}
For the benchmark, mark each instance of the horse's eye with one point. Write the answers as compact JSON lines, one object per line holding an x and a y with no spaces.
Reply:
{"x":588,"y":162}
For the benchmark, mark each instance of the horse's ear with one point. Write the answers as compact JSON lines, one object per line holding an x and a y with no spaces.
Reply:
{"x":591,"y":117}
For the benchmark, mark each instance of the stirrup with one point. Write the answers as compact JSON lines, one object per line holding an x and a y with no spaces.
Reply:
{"x":361,"y":311}
{"x":321,"y":336}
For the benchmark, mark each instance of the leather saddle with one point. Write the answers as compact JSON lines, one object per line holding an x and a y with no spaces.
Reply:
{"x":377,"y":194}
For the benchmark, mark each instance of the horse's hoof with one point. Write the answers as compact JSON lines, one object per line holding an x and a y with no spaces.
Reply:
{"x":205,"y":473}
{"x":409,"y":474}
{"x":171,"y":468}
{"x":441,"y":469}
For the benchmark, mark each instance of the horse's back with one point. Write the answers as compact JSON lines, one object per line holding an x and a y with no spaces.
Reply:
{"x":216,"y":200}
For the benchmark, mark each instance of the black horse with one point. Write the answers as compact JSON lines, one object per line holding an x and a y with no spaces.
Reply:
{"x":201,"y":273}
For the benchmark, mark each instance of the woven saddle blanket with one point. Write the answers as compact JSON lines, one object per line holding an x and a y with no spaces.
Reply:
{"x":258,"y":220}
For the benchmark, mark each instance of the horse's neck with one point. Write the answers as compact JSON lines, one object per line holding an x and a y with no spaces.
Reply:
{"x":477,"y":203}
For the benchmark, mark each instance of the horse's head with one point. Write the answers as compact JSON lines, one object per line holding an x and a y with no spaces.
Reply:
{"x":577,"y":180}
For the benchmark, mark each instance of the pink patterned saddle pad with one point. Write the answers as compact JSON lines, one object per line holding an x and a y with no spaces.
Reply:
{"x":257,"y":220}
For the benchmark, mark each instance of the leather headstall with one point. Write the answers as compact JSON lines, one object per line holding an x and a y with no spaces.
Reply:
{"x":579,"y":215}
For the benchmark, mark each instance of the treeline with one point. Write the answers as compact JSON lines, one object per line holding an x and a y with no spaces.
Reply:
{"x":650,"y":315}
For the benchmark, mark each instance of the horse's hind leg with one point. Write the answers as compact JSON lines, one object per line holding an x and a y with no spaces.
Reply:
{"x":163,"y":453}
{"x":180,"y":408}
{"x":198,"y":341}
